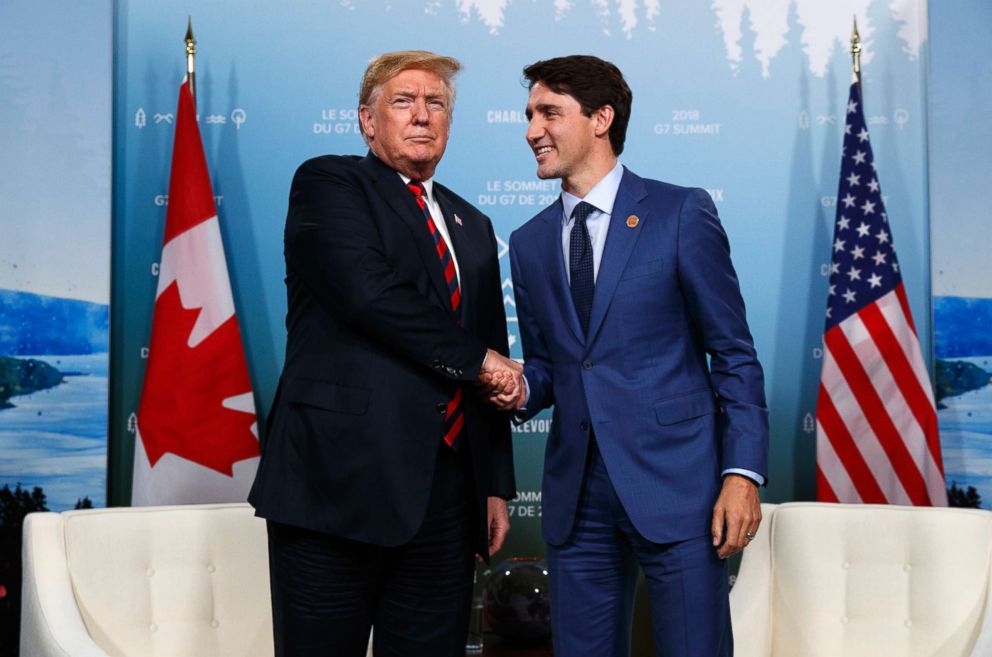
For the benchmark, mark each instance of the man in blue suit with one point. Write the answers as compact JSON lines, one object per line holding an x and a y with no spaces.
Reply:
{"x":624,"y":287}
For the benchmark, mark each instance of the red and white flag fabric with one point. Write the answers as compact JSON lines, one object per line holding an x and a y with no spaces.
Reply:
{"x":876,"y":423}
{"x":197,"y":436}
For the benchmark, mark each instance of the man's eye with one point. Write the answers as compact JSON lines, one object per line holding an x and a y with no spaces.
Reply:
{"x":436,"y":104}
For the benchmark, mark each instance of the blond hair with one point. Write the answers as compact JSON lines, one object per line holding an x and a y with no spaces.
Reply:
{"x":388,"y":65}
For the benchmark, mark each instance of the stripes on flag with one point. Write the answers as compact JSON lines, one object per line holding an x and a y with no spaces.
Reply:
{"x":877,"y":438}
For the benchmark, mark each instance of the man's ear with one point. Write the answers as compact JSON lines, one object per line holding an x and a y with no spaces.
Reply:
{"x":603,"y":119}
{"x":368,"y":125}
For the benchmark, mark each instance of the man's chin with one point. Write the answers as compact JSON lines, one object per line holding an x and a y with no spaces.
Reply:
{"x":545,"y":173}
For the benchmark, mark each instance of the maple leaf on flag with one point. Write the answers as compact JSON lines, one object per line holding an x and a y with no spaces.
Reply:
{"x":182,"y":403}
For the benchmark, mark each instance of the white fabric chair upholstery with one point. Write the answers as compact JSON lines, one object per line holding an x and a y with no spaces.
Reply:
{"x":180,"y":581}
{"x":831,"y":580}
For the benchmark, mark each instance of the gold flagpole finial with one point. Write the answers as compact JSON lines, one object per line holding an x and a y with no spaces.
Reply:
{"x":191,"y":58}
{"x":856,"y":49}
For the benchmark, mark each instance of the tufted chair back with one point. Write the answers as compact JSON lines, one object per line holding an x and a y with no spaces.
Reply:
{"x":149,"y":582}
{"x":865,"y":581}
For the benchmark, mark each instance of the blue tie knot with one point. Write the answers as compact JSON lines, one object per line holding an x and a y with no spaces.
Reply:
{"x":582,"y":211}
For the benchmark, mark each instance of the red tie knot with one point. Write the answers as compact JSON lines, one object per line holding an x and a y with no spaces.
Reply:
{"x":416,"y":188}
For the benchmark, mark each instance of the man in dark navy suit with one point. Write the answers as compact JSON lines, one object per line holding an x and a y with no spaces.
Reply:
{"x":633,"y":327}
{"x":383,"y":469}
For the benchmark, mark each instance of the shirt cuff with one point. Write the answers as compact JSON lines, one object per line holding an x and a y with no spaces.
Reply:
{"x":750,"y":474}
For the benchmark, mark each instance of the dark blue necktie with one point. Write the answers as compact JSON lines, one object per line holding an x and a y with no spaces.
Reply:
{"x":580,"y":264}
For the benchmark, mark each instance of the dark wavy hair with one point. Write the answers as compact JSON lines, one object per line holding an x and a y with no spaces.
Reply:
{"x":591,"y":81}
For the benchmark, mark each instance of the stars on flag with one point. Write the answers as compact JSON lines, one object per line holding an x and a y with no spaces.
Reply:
{"x":863,"y":267}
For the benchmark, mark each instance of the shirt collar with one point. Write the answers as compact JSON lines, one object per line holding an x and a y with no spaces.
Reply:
{"x":601,"y":196}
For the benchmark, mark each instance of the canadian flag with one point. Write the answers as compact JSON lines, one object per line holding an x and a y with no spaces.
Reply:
{"x":197,"y":436}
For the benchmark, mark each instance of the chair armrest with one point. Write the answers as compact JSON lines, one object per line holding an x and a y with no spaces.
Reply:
{"x":51,"y":625}
{"x":983,"y":644}
{"x":750,"y":599}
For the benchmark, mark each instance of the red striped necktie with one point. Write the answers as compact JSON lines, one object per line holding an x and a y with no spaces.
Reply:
{"x":454,"y":418}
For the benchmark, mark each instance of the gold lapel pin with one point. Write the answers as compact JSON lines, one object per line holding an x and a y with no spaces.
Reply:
{"x":632,"y":221}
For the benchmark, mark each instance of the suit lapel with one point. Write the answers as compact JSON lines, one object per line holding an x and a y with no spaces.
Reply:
{"x":554,"y":265}
{"x":390,"y":186}
{"x":620,"y":241}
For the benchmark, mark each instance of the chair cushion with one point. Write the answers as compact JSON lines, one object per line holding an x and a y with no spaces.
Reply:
{"x":167,"y":581}
{"x":875,"y":580}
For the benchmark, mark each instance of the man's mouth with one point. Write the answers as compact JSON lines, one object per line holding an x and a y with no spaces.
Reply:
{"x":541,"y":151}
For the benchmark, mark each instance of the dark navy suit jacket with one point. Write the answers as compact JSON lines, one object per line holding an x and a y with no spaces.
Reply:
{"x":373,"y":354}
{"x":667,"y":376}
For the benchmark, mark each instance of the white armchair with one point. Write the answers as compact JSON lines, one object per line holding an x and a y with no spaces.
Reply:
{"x":180,"y":581}
{"x":837,"y":580}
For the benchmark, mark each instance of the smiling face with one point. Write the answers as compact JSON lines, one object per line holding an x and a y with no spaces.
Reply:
{"x":407,"y":121}
{"x":567,"y":143}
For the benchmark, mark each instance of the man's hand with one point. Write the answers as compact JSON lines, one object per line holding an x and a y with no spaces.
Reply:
{"x":502,"y":381}
{"x":736,"y":515}
{"x":498,"y":522}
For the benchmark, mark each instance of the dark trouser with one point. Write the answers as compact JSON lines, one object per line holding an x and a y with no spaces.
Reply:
{"x":327,"y":591}
{"x":593,"y":576}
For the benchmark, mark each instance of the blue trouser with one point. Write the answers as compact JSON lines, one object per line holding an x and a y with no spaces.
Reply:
{"x":593,"y":578}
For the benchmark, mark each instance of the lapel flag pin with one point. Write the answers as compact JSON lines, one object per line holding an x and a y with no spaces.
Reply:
{"x":458,"y":220}
{"x":632,"y":221}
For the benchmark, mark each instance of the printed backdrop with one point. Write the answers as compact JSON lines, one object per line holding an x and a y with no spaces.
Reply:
{"x":55,"y":131}
{"x":745,"y":98}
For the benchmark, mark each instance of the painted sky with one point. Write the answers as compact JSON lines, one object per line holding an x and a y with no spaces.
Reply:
{"x":55,"y":127}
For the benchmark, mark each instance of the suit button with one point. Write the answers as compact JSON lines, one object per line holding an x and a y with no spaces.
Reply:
{"x":442,"y":407}
{"x":587,"y":365}
{"x":584,"y":425}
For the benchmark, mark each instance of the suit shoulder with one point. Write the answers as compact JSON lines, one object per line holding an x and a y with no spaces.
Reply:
{"x":659,"y":188}
{"x":329,"y":164}
{"x":532,"y":227}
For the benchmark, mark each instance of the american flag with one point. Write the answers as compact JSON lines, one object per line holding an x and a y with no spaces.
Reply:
{"x":876,"y":424}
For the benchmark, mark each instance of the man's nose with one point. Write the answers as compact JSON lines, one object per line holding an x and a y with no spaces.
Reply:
{"x":534,"y":131}
{"x":420,"y":113}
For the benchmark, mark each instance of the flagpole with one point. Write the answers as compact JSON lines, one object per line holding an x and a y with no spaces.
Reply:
{"x":856,"y":51}
{"x":191,"y":58}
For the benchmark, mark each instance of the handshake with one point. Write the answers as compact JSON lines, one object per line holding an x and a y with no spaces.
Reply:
{"x":502,"y":381}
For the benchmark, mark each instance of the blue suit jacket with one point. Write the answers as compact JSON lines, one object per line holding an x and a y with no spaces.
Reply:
{"x":667,"y":421}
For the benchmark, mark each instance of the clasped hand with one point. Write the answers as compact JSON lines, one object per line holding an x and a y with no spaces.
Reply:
{"x":502,"y":381}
